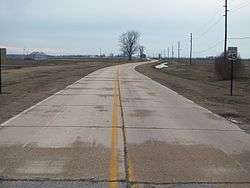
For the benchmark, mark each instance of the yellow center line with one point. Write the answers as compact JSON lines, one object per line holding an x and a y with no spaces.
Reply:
{"x":114,"y":174}
{"x":116,"y":117}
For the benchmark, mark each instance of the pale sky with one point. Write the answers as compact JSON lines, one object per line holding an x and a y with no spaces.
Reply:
{"x":86,"y":26}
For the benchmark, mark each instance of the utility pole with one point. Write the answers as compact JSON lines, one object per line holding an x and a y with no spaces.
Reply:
{"x":1,"y":53}
{"x":23,"y":53}
{"x":2,"y":61}
{"x":191,"y":48}
{"x":225,"y":42}
{"x":179,"y":50}
{"x":232,"y":78}
{"x":172,"y":52}
{"x":100,"y":52}
{"x":168,"y":53}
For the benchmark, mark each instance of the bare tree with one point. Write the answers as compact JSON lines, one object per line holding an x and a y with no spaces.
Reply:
{"x":129,"y":43}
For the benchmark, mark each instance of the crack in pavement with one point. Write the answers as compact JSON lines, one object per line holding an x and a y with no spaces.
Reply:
{"x":129,"y":171}
{"x":122,"y":181}
{"x":125,"y":149}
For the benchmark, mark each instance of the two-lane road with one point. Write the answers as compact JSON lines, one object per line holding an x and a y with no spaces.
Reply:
{"x":115,"y":128}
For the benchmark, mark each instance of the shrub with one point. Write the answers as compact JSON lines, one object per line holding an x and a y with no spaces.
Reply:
{"x":223,"y":69}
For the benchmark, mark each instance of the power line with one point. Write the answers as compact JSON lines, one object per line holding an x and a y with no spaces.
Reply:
{"x":240,"y":6}
{"x":209,"y":48}
{"x":179,"y":50}
{"x":172,"y":51}
{"x":191,"y":48}
{"x":238,"y":38}
{"x":168,"y":53}
{"x":210,"y":28}
{"x":211,"y":19}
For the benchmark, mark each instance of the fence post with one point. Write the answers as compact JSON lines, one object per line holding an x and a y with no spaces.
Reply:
{"x":2,"y":61}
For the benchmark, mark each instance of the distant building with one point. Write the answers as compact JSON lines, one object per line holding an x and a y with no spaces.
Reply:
{"x":37,"y":56}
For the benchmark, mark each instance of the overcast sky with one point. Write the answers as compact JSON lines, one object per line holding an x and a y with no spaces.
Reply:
{"x":86,"y":26}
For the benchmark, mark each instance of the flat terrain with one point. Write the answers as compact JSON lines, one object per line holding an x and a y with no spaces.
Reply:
{"x":118,"y":128}
{"x":198,"y":83}
{"x":26,"y":83}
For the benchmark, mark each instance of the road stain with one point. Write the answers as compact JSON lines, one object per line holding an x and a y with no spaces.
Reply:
{"x":132,"y":177}
{"x":132,"y":81}
{"x":107,"y":88}
{"x":41,"y":167}
{"x":53,"y":111}
{"x":100,"y":108}
{"x":151,"y":161}
{"x":137,"y":99}
{"x":87,"y":160}
{"x":80,"y":160}
{"x":105,"y":95}
{"x":78,"y":88}
{"x":140,"y":113}
{"x":152,"y":94}
{"x":161,"y":162}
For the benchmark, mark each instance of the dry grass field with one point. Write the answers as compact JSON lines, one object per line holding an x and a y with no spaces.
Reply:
{"x":198,"y":83}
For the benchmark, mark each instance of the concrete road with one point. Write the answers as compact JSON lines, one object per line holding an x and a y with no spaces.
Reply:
{"x":118,"y":128}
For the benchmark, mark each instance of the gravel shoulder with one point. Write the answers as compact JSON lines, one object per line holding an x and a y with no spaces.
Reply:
{"x":198,"y":83}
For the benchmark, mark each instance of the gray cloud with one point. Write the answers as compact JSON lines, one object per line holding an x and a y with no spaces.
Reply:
{"x":79,"y":26}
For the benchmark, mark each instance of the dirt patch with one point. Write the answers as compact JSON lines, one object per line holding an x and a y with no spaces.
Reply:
{"x":198,"y":83}
{"x":26,"y":83}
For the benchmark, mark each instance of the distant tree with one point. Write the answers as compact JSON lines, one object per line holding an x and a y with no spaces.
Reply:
{"x":129,"y":43}
{"x":141,"y":51}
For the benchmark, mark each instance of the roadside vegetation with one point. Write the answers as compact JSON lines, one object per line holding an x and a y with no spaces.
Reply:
{"x":223,"y":69}
{"x":199,"y":83}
